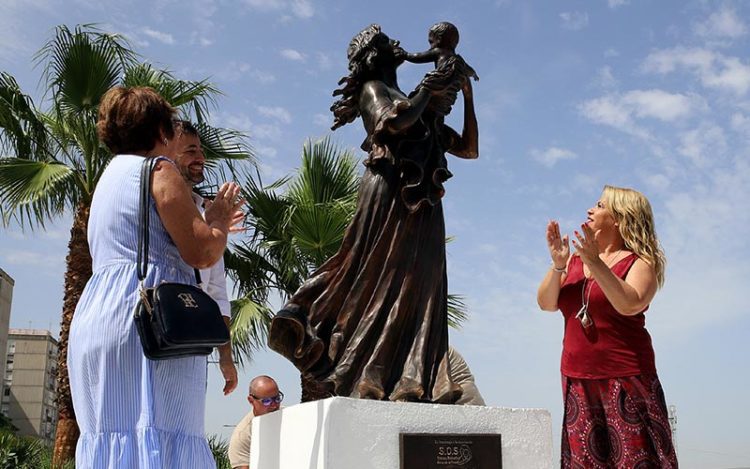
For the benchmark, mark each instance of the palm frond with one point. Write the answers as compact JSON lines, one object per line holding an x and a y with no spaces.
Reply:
{"x":195,"y":96}
{"x":458,"y":313}
{"x":252,"y":273}
{"x":34,"y":191}
{"x":79,"y":146}
{"x":327,"y":174}
{"x":224,"y":144}
{"x":248,"y":329}
{"x":225,"y":151}
{"x":22,"y":132}
{"x":220,"y":451}
{"x":81,"y":65}
{"x":317,"y":230}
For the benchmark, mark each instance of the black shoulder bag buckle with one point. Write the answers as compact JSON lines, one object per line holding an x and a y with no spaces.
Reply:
{"x":173,"y":319}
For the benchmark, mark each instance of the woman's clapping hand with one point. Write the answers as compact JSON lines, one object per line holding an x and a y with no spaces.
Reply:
{"x":586,"y":246}
{"x":224,"y":211}
{"x":559,"y":248}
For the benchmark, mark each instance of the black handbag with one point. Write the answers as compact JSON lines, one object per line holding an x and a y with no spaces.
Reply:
{"x":173,"y":319}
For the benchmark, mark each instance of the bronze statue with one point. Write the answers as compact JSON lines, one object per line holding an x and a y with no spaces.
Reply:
{"x":450,"y":68}
{"x":371,"y":322}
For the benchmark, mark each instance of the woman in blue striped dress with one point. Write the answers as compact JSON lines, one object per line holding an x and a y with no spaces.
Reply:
{"x":134,"y":412}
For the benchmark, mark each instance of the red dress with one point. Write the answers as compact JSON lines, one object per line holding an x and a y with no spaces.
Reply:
{"x":615,"y":412}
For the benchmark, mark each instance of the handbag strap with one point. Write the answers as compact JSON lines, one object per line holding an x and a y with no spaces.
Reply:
{"x":144,"y":212}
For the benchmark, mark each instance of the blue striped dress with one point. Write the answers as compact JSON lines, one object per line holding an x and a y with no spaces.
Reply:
{"x":132,"y":412}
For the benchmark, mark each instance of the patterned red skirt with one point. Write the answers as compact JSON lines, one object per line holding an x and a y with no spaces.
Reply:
{"x":616,"y":423}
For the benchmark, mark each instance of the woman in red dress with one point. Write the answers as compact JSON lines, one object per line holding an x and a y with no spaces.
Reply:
{"x":615,"y":412}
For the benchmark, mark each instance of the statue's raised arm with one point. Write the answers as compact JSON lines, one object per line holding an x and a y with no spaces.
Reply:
{"x":467,"y":145}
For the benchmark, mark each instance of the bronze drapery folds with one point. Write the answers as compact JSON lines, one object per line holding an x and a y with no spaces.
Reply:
{"x":371,"y":322}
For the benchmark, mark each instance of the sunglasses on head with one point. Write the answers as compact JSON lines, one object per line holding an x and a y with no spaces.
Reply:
{"x":267,"y":401}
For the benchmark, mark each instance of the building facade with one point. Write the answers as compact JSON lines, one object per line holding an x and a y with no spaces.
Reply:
{"x":30,"y":383}
{"x":6,"y":298}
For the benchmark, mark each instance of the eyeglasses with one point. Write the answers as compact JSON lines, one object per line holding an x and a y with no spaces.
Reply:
{"x":268,"y":401}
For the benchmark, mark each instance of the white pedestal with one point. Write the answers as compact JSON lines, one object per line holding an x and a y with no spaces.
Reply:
{"x":344,"y":433}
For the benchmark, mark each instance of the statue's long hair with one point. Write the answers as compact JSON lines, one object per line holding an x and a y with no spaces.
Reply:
{"x":362,"y":60}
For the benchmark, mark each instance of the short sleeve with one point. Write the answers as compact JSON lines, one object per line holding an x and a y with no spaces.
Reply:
{"x":239,"y":444}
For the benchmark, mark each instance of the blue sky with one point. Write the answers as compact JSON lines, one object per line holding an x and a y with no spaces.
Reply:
{"x":572,"y":95}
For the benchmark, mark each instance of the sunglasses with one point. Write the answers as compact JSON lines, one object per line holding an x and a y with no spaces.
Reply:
{"x":268,"y":401}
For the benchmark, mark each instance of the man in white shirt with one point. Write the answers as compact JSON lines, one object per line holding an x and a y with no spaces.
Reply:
{"x":264,"y":397}
{"x":190,"y":160}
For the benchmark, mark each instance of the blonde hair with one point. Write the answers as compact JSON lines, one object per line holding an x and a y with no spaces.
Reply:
{"x":635,"y":219}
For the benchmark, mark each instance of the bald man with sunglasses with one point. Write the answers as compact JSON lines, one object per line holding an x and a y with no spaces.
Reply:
{"x":264,"y":397}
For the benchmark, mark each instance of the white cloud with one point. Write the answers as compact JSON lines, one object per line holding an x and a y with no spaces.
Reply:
{"x":324,"y":61}
{"x":722,"y":24}
{"x":295,"y":8}
{"x":164,"y":38}
{"x":620,"y":110}
{"x":203,"y":41}
{"x":668,"y":60}
{"x":712,"y":68}
{"x":263,"y":77}
{"x":241,"y":122}
{"x":266,"y":5}
{"x":302,"y":8}
{"x":294,"y":55}
{"x":659,"y":104}
{"x":707,"y":214}
{"x":574,"y":20}
{"x":235,"y":71}
{"x":15,"y":39}
{"x":263,"y":152}
{"x":656,"y":181}
{"x":201,"y":14}
{"x":276,"y":112}
{"x":606,"y":110}
{"x":605,"y":78}
{"x":552,"y":155}
{"x":741,"y":124}
{"x":617,"y":3}
{"x":703,"y":145}
{"x":32,"y":258}
{"x":611,"y":52}
{"x":322,"y":120}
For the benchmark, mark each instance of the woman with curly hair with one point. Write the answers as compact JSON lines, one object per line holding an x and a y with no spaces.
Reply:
{"x":615,"y":411}
{"x":372,"y":321}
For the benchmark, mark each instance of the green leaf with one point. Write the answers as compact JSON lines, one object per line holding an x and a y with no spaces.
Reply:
{"x":81,"y":65}
{"x":458,"y":313}
{"x":196,"y":96}
{"x":23,"y":132}
{"x":36,"y":190}
{"x":248,"y":329}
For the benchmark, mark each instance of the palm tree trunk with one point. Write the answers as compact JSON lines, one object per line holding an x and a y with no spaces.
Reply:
{"x":77,"y":274}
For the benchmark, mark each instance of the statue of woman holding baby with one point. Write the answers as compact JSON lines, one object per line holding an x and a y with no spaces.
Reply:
{"x":371,"y":322}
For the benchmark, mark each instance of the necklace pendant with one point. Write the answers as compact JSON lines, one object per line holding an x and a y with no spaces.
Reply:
{"x":583,"y":316}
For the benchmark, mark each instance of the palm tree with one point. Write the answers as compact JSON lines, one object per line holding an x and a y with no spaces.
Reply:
{"x":291,"y":234}
{"x":52,"y":160}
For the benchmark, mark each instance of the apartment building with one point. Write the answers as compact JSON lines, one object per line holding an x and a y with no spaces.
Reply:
{"x":6,"y":298}
{"x":30,"y":386}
